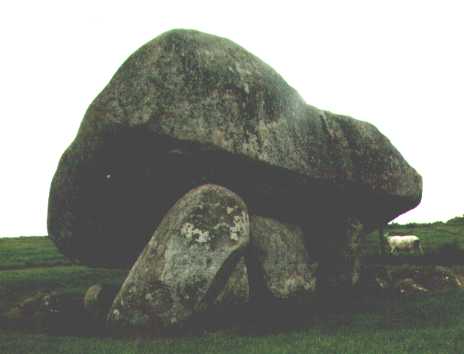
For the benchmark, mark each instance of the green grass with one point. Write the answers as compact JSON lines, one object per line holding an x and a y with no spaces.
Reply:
{"x":427,"y":324}
{"x":16,"y":285}
{"x":24,"y":252}
{"x":433,"y":236}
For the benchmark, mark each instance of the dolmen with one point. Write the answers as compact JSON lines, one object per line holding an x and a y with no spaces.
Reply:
{"x":203,"y":172}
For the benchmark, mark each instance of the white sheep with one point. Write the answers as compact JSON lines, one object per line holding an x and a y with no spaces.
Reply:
{"x":404,"y":243}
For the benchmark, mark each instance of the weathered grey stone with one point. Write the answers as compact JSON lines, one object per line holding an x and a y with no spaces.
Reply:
{"x":449,"y":279}
{"x":340,"y":258}
{"x":186,"y":263}
{"x":91,"y":297}
{"x":431,"y":278}
{"x":409,"y":286}
{"x":98,"y":299}
{"x":50,"y":312}
{"x":280,"y":260}
{"x":237,"y":289}
{"x":189,"y":108}
{"x":375,"y":280}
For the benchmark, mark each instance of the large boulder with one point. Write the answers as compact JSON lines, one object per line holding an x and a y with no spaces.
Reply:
{"x":185,"y":265}
{"x":280,"y":266}
{"x":190,"y":108}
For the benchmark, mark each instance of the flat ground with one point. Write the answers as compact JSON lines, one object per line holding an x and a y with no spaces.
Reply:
{"x":31,"y":267}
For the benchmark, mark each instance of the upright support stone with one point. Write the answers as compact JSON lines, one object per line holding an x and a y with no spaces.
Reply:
{"x":340,"y":264}
{"x":382,"y":239}
{"x":280,"y":260}
{"x":186,"y":263}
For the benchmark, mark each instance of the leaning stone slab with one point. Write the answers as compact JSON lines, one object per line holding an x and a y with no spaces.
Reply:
{"x":278,"y":257}
{"x":186,"y":263}
{"x":237,"y":289}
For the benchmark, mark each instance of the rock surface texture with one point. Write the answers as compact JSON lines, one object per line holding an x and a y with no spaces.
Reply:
{"x":190,"y":108}
{"x":186,"y":263}
{"x":277,"y":255}
{"x":98,"y":299}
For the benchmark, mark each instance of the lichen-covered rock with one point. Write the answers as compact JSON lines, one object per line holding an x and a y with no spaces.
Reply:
{"x":186,"y":263}
{"x":237,"y":289}
{"x":279,"y":260}
{"x":190,"y":108}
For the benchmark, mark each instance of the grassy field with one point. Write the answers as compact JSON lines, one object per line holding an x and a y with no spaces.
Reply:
{"x":433,"y":236}
{"x":425,"y":325}
{"x":434,"y":326}
{"x":31,"y":266}
{"x":25,"y":252}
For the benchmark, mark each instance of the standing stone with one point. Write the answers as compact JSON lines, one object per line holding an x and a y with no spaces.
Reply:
{"x":279,"y":259}
{"x":340,"y":255}
{"x":186,"y":263}
{"x":340,"y":264}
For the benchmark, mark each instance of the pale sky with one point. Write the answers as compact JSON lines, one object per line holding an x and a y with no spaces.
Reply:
{"x":396,"y":64}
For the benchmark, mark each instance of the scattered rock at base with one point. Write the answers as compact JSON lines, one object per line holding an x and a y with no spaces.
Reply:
{"x":409,"y":286}
{"x":53,"y":312}
{"x":375,"y":280}
{"x":414,"y":279}
{"x":186,"y":263}
{"x":407,"y":280}
{"x":279,"y":260}
{"x":98,"y":299}
{"x":92,"y":296}
{"x":27,"y":310}
{"x":443,"y":278}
